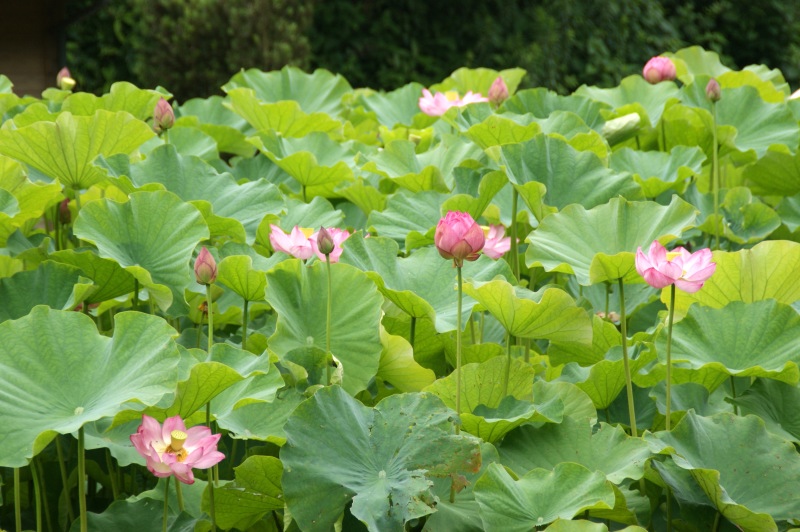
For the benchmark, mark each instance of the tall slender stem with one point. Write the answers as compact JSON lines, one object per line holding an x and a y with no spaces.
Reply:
{"x":64,"y":480}
{"x":628,"y":381}
{"x":210,"y":319}
{"x":513,"y":234}
{"x":82,"y":482}
{"x":328,"y":318}
{"x":669,"y":352}
{"x":508,"y":363}
{"x":112,"y":475}
{"x":458,"y":349}
{"x":166,"y":505}
{"x":135,"y":303}
{"x":57,"y":226}
{"x":37,"y":494}
{"x":715,"y":182}
{"x":733,"y":395}
{"x":413,"y":331}
{"x":212,"y":513}
{"x":17,"y":501}
{"x":208,"y":406}
{"x":245,"y":318}
{"x":179,"y":493}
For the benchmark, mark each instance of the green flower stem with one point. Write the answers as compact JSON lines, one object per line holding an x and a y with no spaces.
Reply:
{"x":662,"y":139}
{"x":179,"y":493}
{"x":212,"y":513}
{"x":112,"y":475}
{"x":413,"y":331}
{"x":62,"y":465}
{"x":733,"y":395}
{"x":328,"y":317}
{"x":245,"y":317}
{"x":472,"y":329}
{"x":509,"y":339}
{"x":17,"y":501}
{"x":669,"y":352}
{"x":82,"y":482}
{"x":57,"y":226}
{"x":166,"y":505}
{"x":628,"y":382}
{"x":303,"y":188}
{"x":210,"y":318}
{"x":513,"y":234}
{"x":715,"y":181}
{"x":208,"y":405}
{"x":135,"y":302}
{"x":458,"y":349}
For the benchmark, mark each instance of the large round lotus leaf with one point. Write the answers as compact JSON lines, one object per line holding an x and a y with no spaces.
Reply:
{"x":407,"y":213}
{"x":766,"y":271}
{"x":479,"y":80}
{"x":747,"y":220}
{"x":542,"y":102}
{"x":141,"y":514}
{"x":634,"y":89}
{"x":31,"y":199}
{"x":608,"y":450}
{"x":730,"y":457}
{"x":320,"y":91}
{"x":43,"y":351}
{"x":539,"y":497}
{"x":498,"y":130}
{"x":380,"y":458}
{"x":398,"y":367}
{"x":776,"y":173}
{"x":695,"y":60}
{"x":586,"y":526}
{"x":299,"y":295}
{"x":58,"y":286}
{"x":569,"y":176}
{"x":257,"y":420}
{"x":776,"y":403}
{"x":190,"y":141}
{"x":423,"y":284}
{"x":237,"y":273}
{"x":122,"y":96}
{"x":548,"y":314}
{"x":605,"y":335}
{"x":110,"y":279}
{"x":65,"y":149}
{"x":600,"y":244}
{"x":285,"y":117}
{"x":397,"y":107}
{"x":477,"y":199}
{"x":657,"y":171}
{"x":487,"y":410}
{"x":152,"y":236}
{"x":716,"y":339}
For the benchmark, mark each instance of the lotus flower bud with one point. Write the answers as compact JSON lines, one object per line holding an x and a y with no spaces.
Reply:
{"x":713,"y":90}
{"x":459,"y":237}
{"x":325,"y":243}
{"x":498,"y":92}
{"x":205,"y":267}
{"x":659,"y":69}
{"x":64,"y":80}
{"x":163,"y":116}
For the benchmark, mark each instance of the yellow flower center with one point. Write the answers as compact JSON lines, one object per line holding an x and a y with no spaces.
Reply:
{"x":307,"y":231}
{"x":451,"y":95}
{"x":175,"y":447}
{"x":672,"y":255}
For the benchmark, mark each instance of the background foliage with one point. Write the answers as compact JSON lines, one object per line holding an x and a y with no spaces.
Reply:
{"x":193,"y":46}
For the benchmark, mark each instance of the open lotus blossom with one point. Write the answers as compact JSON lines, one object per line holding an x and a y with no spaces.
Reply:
{"x":297,"y":243}
{"x":171,"y":449}
{"x":336,"y":235}
{"x":496,"y":246}
{"x":459,"y":237}
{"x":659,"y":69}
{"x":438,"y":104}
{"x":687,"y":270}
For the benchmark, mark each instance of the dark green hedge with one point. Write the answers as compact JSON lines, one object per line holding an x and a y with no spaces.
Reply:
{"x":192,"y":47}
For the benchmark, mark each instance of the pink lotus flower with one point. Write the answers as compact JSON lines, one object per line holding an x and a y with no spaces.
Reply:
{"x":687,"y":270}
{"x":437,"y":105}
{"x":459,"y":237}
{"x":205,"y":267}
{"x":498,"y":92}
{"x":713,"y":90}
{"x":659,"y":69}
{"x":336,"y":235}
{"x":297,"y":243}
{"x":173,"y":450}
{"x":163,"y":116}
{"x":496,"y":246}
{"x":64,"y":80}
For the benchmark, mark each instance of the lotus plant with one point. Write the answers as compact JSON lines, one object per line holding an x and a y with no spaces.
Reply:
{"x":327,"y":243}
{"x":677,"y":268}
{"x":714,"y":94}
{"x":163,"y":116}
{"x":497,"y":244}
{"x":64,"y":80}
{"x":659,"y":69}
{"x":498,"y":92}
{"x":297,"y":243}
{"x":438,"y":104}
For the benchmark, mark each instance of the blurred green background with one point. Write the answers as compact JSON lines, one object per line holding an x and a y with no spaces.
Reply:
{"x":192,"y":47}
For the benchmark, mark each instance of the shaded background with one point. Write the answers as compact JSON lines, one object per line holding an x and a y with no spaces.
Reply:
{"x":192,"y":47}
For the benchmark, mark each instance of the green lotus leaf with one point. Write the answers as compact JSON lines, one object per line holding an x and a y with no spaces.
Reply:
{"x":653,"y":99}
{"x":714,"y":450}
{"x":768,"y":90}
{"x":363,"y":195}
{"x":260,"y":420}
{"x":406,"y":213}
{"x":498,"y":130}
{"x":314,"y":160}
{"x":380,"y":458}
{"x":479,"y":80}
{"x":142,"y":514}
{"x":490,"y":183}
{"x":122,"y":96}
{"x":210,"y":116}
{"x":600,"y":244}
{"x":658,"y":172}
{"x":586,"y":526}
{"x":255,"y":490}
{"x":317,"y":213}
{"x":152,"y":236}
{"x":605,"y":335}
{"x":746,"y":219}
{"x":539,"y":497}
{"x":320,"y":91}
{"x":299,"y":295}
{"x":8,"y":206}
{"x":608,"y":450}
{"x":394,"y":108}
{"x":789,"y":211}
{"x":569,"y":176}
{"x":191,"y":141}
{"x":577,"y":404}
{"x":776,"y":173}
{"x":422,"y":284}
{"x":110,"y":279}
{"x":31,"y":199}
{"x":548,"y":314}
{"x":138,"y":364}
{"x":714,"y":338}
{"x":284,"y":117}
{"x":695,"y":60}
{"x":192,"y":179}
{"x":766,"y":271}
{"x":542,"y":102}
{"x":58,"y":286}
{"x":237,"y":273}
{"x":487,"y":410}
{"x":566,"y":125}
{"x":776,"y":403}
{"x":64,"y":149}
{"x":398,"y":367}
